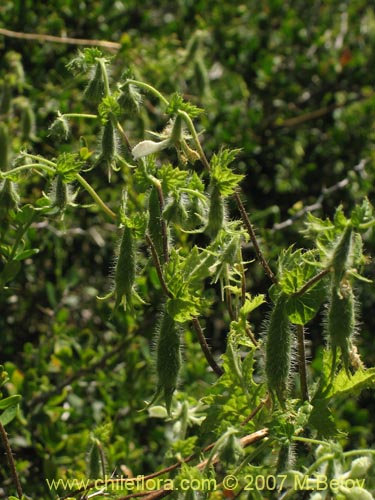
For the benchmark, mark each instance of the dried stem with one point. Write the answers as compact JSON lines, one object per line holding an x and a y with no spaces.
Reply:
{"x":57,"y":39}
{"x":302,"y":362}
{"x":12,"y":465}
{"x":245,"y":441}
{"x":253,"y":238}
{"x":216,"y":368}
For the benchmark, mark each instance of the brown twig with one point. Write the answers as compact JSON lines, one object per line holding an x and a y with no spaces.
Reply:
{"x":39,"y":37}
{"x":12,"y":465}
{"x":317,"y":205}
{"x":206,"y":351}
{"x":311,"y":282}
{"x":255,"y":411}
{"x":245,"y":441}
{"x":253,"y":238}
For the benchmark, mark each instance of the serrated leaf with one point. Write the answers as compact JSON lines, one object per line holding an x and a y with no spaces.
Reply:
{"x":322,"y":420}
{"x":182,"y":310}
{"x":342,"y":384}
{"x":68,"y":165}
{"x":177,"y":103}
{"x":221,"y":175}
{"x":362,"y":214}
{"x":302,"y":308}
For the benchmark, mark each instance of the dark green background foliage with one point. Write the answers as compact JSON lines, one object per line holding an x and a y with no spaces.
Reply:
{"x":291,"y":83}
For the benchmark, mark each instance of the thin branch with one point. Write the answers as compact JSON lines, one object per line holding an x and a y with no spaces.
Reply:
{"x":42,"y":398}
{"x":245,"y":441}
{"x":312,"y":282}
{"x":159,"y":270}
{"x":123,"y":135}
{"x":253,"y":238}
{"x":12,"y":465}
{"x":317,"y":113}
{"x":216,"y":368}
{"x":317,"y":205}
{"x":255,"y":411}
{"x":302,"y":362}
{"x":39,"y":37}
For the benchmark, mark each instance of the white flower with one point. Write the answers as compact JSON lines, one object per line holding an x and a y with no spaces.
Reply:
{"x":145,"y":148}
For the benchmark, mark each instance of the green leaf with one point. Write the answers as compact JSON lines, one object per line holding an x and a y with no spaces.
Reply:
{"x":362,"y":214}
{"x":68,"y":165}
{"x":302,"y":308}
{"x":10,"y":270}
{"x":9,"y":414}
{"x":177,"y":103}
{"x":322,"y":420}
{"x":221,"y":175}
{"x":343,"y":385}
{"x":10,"y":401}
{"x":182,"y":309}
{"x":26,"y":253}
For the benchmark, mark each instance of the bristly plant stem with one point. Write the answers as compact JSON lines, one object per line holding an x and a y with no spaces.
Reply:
{"x":216,"y":368}
{"x":12,"y":465}
{"x":253,"y":238}
{"x":164,"y":231}
{"x":302,"y":362}
{"x":95,"y":196}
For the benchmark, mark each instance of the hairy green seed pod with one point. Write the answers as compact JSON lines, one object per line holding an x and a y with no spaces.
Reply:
{"x":9,"y":198}
{"x":341,"y":323}
{"x":278,"y":350}
{"x":154,"y":222}
{"x":168,"y":358}
{"x":201,"y":75}
{"x":341,"y":255}
{"x":4,"y":147}
{"x":6,"y":96}
{"x":95,"y":89}
{"x":125,"y":270}
{"x":95,"y":460}
{"x":231,"y":451}
{"x":216,"y":213}
{"x":108,"y":141}
{"x":61,"y":194}
{"x":28,"y":123}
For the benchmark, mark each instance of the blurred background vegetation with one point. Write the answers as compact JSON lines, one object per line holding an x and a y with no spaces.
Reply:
{"x":291,"y":83}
